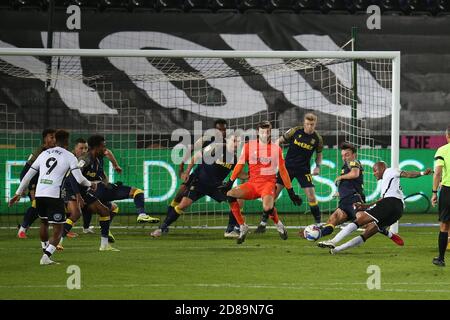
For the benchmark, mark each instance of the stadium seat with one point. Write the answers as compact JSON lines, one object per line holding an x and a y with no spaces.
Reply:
{"x":333,"y":5}
{"x":280,"y":6}
{"x":355,"y":6}
{"x":25,"y":5}
{"x":226,"y":6}
{"x":35,"y":5}
{"x":197,"y":6}
{"x":307,"y":4}
{"x":113,"y":5}
{"x":412,"y":6}
{"x":439,"y":7}
{"x":390,"y":7}
{"x":252,"y":6}
{"x":169,"y":6}
{"x":144,"y":6}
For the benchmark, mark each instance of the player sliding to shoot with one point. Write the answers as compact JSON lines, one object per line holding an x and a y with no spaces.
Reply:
{"x":263,"y":158}
{"x":380,"y":214}
{"x":350,"y":189}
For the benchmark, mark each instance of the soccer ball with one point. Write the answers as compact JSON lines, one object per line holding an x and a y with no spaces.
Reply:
{"x":312,"y":232}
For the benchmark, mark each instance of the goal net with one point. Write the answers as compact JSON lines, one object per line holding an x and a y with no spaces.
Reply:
{"x":145,"y":101}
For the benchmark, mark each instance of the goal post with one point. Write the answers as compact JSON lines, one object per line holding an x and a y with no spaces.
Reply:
{"x":137,"y":98}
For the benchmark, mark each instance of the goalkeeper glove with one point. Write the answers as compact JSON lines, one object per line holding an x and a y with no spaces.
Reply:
{"x":294,"y":198}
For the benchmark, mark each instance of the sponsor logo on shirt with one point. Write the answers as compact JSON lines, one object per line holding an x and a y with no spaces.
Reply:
{"x":303,"y":145}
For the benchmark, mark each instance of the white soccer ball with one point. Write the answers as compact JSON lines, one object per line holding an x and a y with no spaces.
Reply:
{"x":312,"y":232}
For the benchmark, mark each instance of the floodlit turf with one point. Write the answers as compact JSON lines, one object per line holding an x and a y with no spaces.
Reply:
{"x":201,"y":264}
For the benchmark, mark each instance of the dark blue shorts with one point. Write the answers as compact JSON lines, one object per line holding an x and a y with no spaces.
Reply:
{"x":346,"y":205}
{"x":303,"y":177}
{"x":112,"y":192}
{"x":70,"y":195}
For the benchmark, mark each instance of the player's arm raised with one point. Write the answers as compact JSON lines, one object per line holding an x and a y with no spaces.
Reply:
{"x":110,"y":155}
{"x":287,"y":180}
{"x":194,"y":160}
{"x":415,"y":174}
{"x":190,"y":149}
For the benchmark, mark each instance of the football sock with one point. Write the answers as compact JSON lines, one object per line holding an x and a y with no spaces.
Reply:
{"x":345,"y":232}
{"x":264,"y":218}
{"x":315,"y":211}
{"x":87,"y":218}
{"x":327,"y":229}
{"x":29,"y":217}
{"x":352,"y":243}
{"x":67,"y":227}
{"x":44,"y":245}
{"x":443,"y":240}
{"x":231,"y":222}
{"x":386,"y":232}
{"x":172,"y":216}
{"x":237,"y":212}
{"x":139,"y":201}
{"x":50,"y":250}
{"x":105,"y":222}
{"x":273,"y":214}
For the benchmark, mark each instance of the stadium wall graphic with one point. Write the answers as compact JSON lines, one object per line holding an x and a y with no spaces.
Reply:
{"x":425,"y":66}
{"x":158,"y":191}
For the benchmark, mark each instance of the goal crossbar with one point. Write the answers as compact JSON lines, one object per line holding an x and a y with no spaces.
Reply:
{"x":200,"y":53}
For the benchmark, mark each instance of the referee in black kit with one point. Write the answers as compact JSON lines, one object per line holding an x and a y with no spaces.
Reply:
{"x":442,"y":176}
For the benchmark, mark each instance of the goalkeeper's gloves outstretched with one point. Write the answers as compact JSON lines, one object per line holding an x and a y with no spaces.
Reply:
{"x":294,"y":198}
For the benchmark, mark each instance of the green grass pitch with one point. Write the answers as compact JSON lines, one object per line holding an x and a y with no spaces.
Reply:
{"x":201,"y":264}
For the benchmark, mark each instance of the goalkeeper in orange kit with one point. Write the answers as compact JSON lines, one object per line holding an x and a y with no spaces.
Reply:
{"x":264,"y":159}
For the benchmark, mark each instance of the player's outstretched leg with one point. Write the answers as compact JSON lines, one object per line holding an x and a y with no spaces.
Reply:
{"x":371,"y":230}
{"x":139,"y":201}
{"x":362,"y":218}
{"x":337,"y":217}
{"x":347,"y":230}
